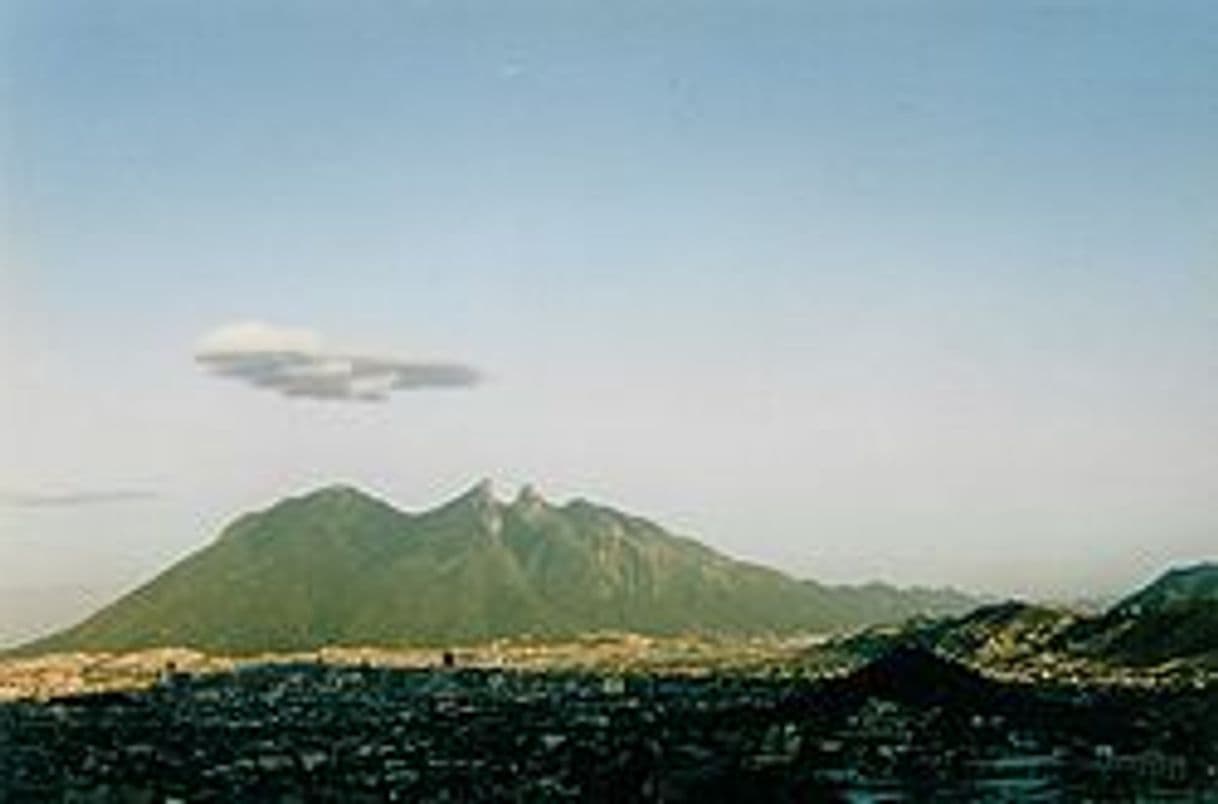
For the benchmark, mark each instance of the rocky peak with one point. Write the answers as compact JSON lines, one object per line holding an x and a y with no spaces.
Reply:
{"x":528,"y":500}
{"x":481,"y":496}
{"x":479,"y":503}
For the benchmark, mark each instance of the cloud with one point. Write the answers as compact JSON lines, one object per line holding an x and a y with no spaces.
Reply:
{"x":295,"y":363}
{"x":254,"y":336}
{"x":16,"y":499}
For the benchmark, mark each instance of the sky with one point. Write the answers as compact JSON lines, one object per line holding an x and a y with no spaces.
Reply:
{"x":917,"y":291}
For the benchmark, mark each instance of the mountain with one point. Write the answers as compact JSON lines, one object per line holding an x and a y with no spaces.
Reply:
{"x":1173,"y":617}
{"x":1196,"y":584}
{"x":1003,"y":634}
{"x":338,"y":566}
{"x":999,"y":635}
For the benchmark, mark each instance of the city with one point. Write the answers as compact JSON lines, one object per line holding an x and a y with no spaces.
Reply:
{"x":905,"y":726}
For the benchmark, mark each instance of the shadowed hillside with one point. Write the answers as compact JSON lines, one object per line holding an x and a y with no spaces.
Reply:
{"x":1172,"y":619}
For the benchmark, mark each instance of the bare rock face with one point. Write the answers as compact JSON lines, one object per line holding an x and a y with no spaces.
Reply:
{"x":529,"y":502}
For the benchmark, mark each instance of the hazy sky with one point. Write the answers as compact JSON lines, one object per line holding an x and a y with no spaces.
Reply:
{"x":919,"y":291}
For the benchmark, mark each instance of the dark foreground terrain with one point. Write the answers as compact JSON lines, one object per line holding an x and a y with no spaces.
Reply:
{"x":908,"y":726}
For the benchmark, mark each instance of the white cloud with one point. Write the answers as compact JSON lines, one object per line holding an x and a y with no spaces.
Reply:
{"x":296,"y":363}
{"x":255,"y":336}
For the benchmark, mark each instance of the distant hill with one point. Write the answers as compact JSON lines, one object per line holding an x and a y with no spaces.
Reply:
{"x":338,"y":566}
{"x":1181,"y":631}
{"x":1004,"y":633}
{"x":1184,"y":585}
{"x":1174,"y":618}
{"x":996,"y":636}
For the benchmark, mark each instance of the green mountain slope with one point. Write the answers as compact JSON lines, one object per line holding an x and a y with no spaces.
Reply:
{"x":340,"y":567}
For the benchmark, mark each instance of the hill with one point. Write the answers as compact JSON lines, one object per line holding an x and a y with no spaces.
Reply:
{"x":1175,"y":617}
{"x":915,"y":676}
{"x":1172,"y":619}
{"x":338,"y":566}
{"x":996,"y":636}
{"x":1183,"y":585}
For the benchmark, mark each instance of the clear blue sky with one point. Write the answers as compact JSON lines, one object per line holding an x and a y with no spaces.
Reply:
{"x":920,"y":291}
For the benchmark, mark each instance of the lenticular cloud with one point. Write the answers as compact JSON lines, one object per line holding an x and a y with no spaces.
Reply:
{"x":295,"y":363}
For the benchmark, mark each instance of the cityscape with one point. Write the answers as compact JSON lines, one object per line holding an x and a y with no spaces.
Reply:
{"x":909,"y":726}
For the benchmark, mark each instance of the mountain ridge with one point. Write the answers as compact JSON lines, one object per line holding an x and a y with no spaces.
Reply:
{"x":1171,"y":619}
{"x":339,"y":566}
{"x":1174,"y":616}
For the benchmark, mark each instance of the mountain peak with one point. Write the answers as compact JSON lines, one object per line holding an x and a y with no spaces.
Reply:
{"x":480,"y":496}
{"x":476,"y":507}
{"x":529,"y":500}
{"x":336,"y":492}
{"x":1201,"y":569}
{"x":335,"y":496}
{"x":338,"y":566}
